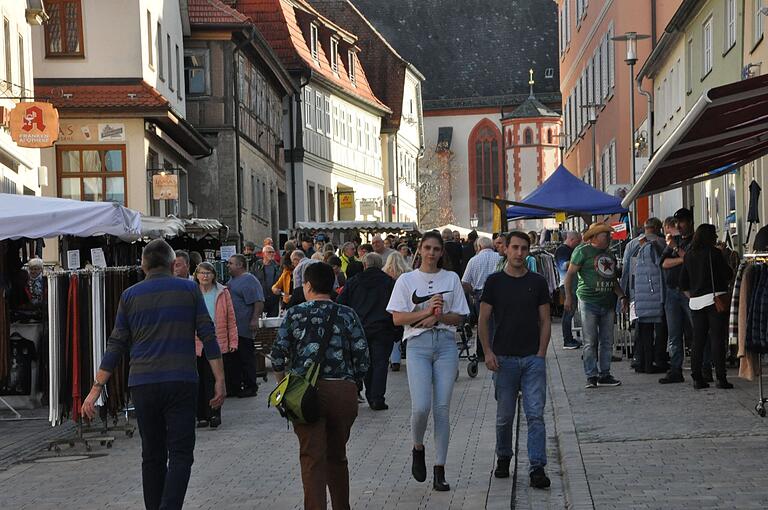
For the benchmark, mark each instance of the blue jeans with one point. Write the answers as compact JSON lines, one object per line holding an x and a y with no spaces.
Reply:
{"x":528,"y":373}
{"x":395,"y":357}
{"x":165,"y":413}
{"x":678,"y":314}
{"x":568,"y":321}
{"x":433,"y":361}
{"x":597,"y":330}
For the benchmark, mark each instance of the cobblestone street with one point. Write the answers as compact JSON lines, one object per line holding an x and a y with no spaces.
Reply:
{"x":641,"y":445}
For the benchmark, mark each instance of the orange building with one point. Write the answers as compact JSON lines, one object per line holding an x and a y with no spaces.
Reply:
{"x":593,"y":71}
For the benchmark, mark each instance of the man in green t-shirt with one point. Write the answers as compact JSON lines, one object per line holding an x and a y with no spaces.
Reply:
{"x":597,"y":289}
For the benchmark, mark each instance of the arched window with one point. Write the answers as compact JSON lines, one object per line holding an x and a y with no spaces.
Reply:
{"x":486,"y":171}
{"x":528,"y":137}
{"x":549,"y":136}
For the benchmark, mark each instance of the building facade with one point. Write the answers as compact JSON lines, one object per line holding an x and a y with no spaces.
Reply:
{"x":236,"y":91}
{"x":397,"y":83}
{"x":702,"y":47}
{"x":334,"y":166}
{"x":20,"y":170}
{"x":122,"y":120}
{"x":754,"y":63}
{"x":477,"y":69}
{"x":593,"y":70}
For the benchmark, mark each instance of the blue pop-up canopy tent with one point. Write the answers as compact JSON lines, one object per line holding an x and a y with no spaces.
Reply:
{"x":564,"y":192}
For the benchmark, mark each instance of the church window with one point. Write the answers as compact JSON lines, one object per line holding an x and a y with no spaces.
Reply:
{"x":486,"y":172}
{"x":528,"y":137}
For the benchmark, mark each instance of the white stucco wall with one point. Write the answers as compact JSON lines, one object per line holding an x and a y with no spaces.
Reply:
{"x":115,"y":45}
{"x":332,"y":158}
{"x":24,"y":172}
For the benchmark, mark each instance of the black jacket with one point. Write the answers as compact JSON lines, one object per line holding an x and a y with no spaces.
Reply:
{"x":368,"y":294}
{"x":696,"y":277}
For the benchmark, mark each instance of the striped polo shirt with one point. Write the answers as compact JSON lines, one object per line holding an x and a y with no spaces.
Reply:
{"x":156,"y":321}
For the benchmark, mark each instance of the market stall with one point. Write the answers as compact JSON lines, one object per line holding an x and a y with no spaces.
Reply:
{"x":26,"y":357}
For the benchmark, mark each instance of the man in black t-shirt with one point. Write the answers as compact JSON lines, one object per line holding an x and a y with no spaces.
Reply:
{"x":519,"y":302}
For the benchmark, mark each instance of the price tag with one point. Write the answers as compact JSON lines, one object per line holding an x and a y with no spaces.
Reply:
{"x":73,"y":259}
{"x":228,"y":251}
{"x":97,"y":257}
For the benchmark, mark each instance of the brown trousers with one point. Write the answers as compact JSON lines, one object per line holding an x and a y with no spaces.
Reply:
{"x":323,"y":446}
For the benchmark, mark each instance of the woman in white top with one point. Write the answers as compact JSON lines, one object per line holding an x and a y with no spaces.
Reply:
{"x":430,"y":304}
{"x":396,"y":265}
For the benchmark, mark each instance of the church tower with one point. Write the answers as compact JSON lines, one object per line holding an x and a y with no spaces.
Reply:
{"x":531,"y":135}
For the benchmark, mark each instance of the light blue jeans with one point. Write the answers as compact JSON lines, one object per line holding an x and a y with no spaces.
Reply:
{"x":597,"y":330}
{"x":528,"y":374}
{"x":432,"y":361}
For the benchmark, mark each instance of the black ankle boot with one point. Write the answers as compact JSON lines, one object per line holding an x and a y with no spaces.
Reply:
{"x":440,"y":484}
{"x":419,"y":467}
{"x":723,"y":384}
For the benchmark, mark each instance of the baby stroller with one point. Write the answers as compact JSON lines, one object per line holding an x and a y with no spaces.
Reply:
{"x":465,"y":335}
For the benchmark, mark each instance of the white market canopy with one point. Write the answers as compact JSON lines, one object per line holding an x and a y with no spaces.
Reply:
{"x":42,"y":217}
{"x":365,"y":226}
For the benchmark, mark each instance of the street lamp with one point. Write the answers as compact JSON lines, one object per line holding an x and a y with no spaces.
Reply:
{"x":561,"y":145}
{"x":592,"y":120}
{"x":473,"y":221}
{"x":631,"y":39}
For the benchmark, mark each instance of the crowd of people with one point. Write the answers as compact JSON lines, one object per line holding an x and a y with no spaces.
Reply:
{"x":361,"y":307}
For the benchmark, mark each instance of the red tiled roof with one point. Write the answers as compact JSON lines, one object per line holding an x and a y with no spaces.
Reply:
{"x":277,"y":21}
{"x":138,"y":95}
{"x":214,"y":12}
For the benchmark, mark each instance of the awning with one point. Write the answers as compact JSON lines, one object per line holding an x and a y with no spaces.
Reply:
{"x":726,"y":128}
{"x":42,"y":217}
{"x":171,"y":226}
{"x":365,"y":226}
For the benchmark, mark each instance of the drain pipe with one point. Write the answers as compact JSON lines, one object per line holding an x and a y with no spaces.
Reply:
{"x":649,"y":98}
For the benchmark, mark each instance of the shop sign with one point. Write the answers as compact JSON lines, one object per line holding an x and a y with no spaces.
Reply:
{"x":347,"y":200}
{"x":561,"y":217}
{"x":619,"y":231}
{"x":368,"y":207}
{"x":34,"y":124}
{"x":111,"y":132}
{"x":165,"y":187}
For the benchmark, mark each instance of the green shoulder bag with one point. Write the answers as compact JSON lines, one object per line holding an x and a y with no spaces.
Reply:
{"x":295,"y":397}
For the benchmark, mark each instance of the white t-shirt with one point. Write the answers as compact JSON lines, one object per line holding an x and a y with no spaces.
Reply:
{"x":418,"y":284}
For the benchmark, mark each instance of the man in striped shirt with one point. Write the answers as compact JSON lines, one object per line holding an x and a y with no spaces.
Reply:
{"x":157,"y":320}
{"x":478,"y":268}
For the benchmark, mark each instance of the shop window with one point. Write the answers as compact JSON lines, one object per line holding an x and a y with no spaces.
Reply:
{"x":64,"y":29}
{"x":486,"y":175}
{"x":93,"y":173}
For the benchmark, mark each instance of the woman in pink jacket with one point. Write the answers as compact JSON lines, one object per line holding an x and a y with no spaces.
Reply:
{"x":219,"y":305}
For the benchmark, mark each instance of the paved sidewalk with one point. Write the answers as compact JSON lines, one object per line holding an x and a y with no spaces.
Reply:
{"x":650,"y":446}
{"x":252,"y":462}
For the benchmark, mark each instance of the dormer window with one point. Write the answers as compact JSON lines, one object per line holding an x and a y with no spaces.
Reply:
{"x":313,"y":42}
{"x":335,"y":55}
{"x":352,"y":71}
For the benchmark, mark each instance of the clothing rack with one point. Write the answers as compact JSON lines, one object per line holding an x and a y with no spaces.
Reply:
{"x":760,"y":406}
{"x":82,"y":305}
